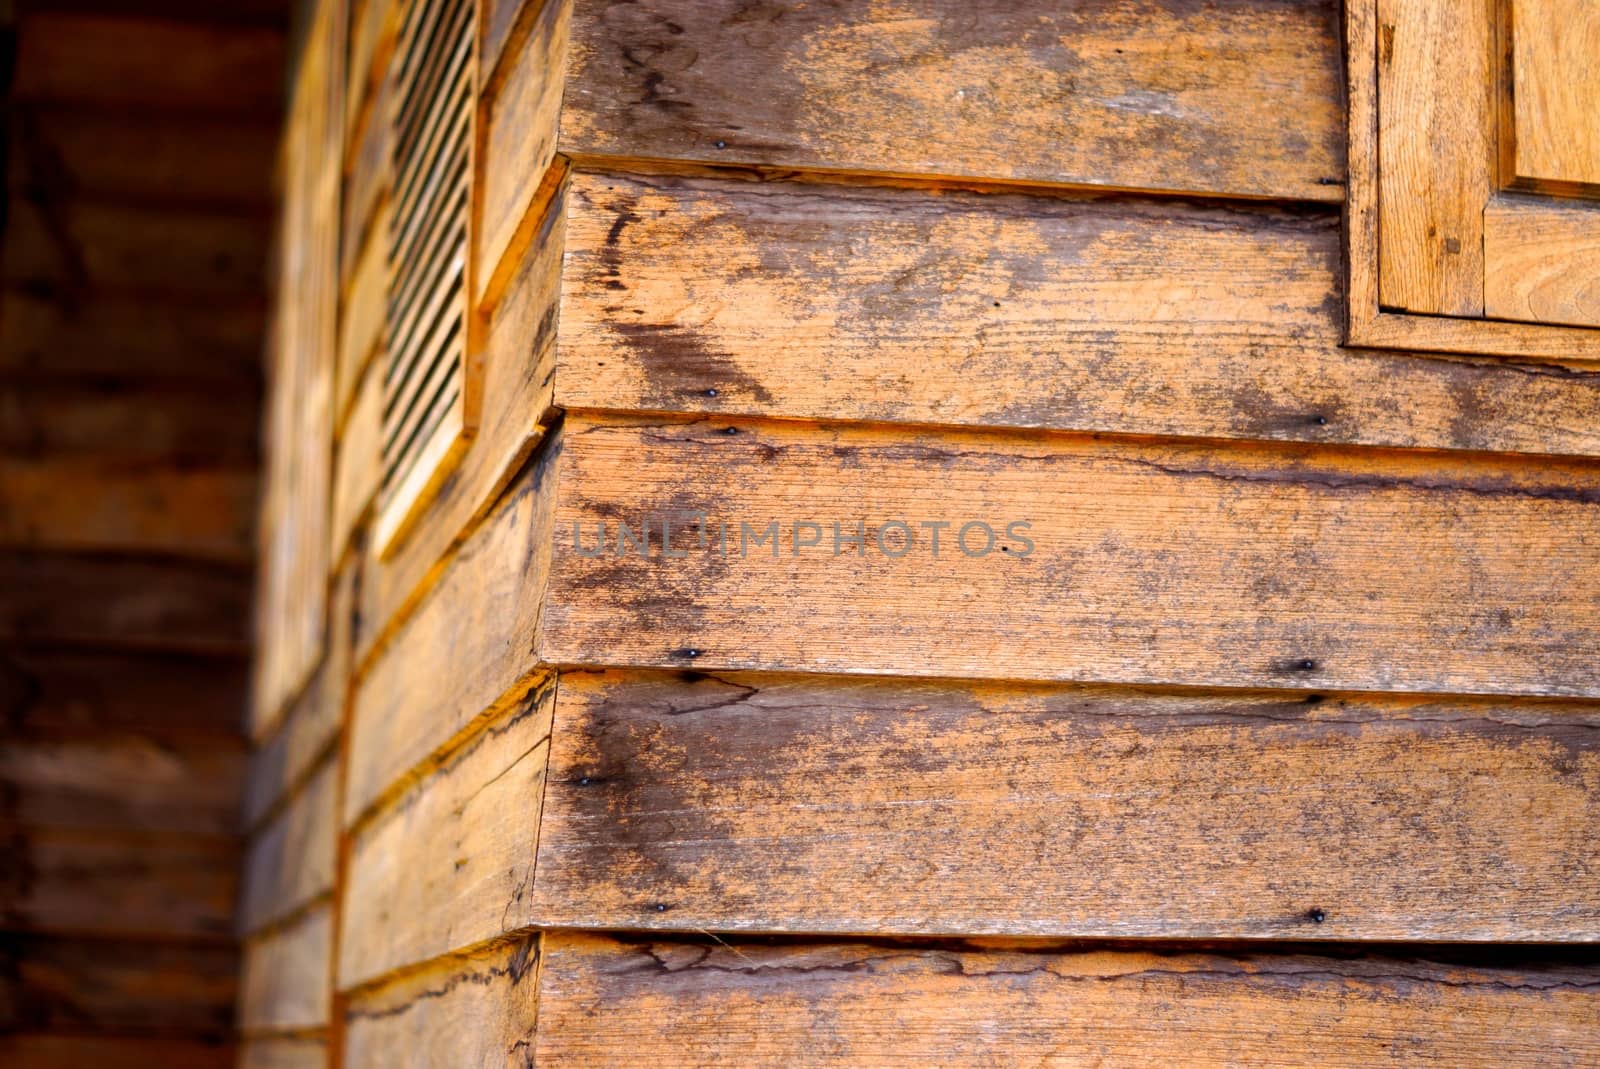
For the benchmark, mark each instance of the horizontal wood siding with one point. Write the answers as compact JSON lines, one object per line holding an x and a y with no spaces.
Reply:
{"x":1239,"y":99}
{"x":606,"y":1002}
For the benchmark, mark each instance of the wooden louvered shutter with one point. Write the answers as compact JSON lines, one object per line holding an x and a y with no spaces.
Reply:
{"x":429,"y":391}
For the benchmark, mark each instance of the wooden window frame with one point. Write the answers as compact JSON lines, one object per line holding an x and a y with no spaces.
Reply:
{"x":1371,"y":325}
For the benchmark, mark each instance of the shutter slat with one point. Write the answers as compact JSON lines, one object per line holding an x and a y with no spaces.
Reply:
{"x":426,"y":312}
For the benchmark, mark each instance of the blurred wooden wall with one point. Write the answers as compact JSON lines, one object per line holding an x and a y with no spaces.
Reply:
{"x":140,"y":142}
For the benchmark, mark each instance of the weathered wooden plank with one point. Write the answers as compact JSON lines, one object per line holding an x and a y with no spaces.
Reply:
{"x":450,"y":865}
{"x":291,"y":860}
{"x":1152,"y":95}
{"x":282,"y":1052}
{"x":130,"y":338}
{"x":141,"y":63}
{"x":358,"y":462}
{"x":798,"y":804}
{"x":518,"y":369}
{"x":143,"y":603}
{"x":466,"y":651}
{"x":520,"y":119}
{"x":152,"y":159}
{"x":1555,"y":82}
{"x":61,"y":1051}
{"x":361,"y":320}
{"x":72,"y":984}
{"x":61,"y":880}
{"x":144,"y":250}
{"x":173,"y":422}
{"x":284,"y":985}
{"x":366,"y":186}
{"x":53,"y":693}
{"x":478,"y":1010}
{"x":1145,"y":562}
{"x":123,"y":780}
{"x":610,"y":1003}
{"x":1539,"y":262}
{"x":136,"y":505}
{"x":288,"y":750}
{"x":1435,"y":137}
{"x":1127,"y":316}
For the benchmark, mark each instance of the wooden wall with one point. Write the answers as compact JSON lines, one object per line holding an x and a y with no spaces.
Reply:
{"x":139,"y":141}
{"x":1275,"y":745}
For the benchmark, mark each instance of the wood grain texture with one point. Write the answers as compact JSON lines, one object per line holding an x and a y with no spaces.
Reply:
{"x":291,"y":860}
{"x":450,"y":865}
{"x":357,"y":463}
{"x":152,"y":160}
{"x":1145,"y":95}
{"x":81,"y":984}
{"x":467,"y":651}
{"x":284,"y":984}
{"x":141,"y":62}
{"x":808,"y":805}
{"x":1539,"y":262}
{"x":361,"y":320}
{"x":1278,"y":566}
{"x":518,"y":367}
{"x":134,"y":505}
{"x":477,"y":1010}
{"x":56,"y":1051}
{"x":130,"y":339}
{"x":1436,"y":137}
{"x":181,"y":424}
{"x":282,"y":1052}
{"x":70,"y":694}
{"x":60,"y":880}
{"x":151,"y":603}
{"x":152,"y":252}
{"x":287,"y":750}
{"x":521,"y":112}
{"x":136,"y":780}
{"x":1555,"y":68}
{"x":1130,"y":316}
{"x":611,"y":1003}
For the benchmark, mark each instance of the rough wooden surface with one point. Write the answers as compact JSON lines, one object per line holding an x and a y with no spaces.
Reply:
{"x":614,"y":1003}
{"x":1555,"y":81}
{"x":800,"y":804}
{"x":1436,"y":130}
{"x":467,"y":648}
{"x":76,"y":984}
{"x":134,"y":779}
{"x":64,"y":693}
{"x":285,"y":983}
{"x":171,"y":66}
{"x":152,"y":603}
{"x":288,"y":750}
{"x":1237,"y":98}
{"x":357,"y":465}
{"x":450,"y":864}
{"x":478,"y":1010}
{"x":129,"y":337}
{"x":281,"y":1052}
{"x":520,"y":115}
{"x":133,"y":505}
{"x":1134,"y":316}
{"x":56,"y":1051}
{"x":517,"y":373}
{"x":1539,"y":262}
{"x":1275,"y":566}
{"x":61,"y":880}
{"x":291,"y":860}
